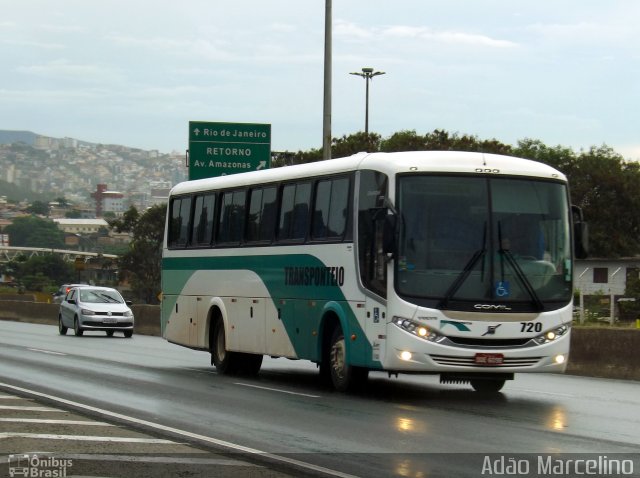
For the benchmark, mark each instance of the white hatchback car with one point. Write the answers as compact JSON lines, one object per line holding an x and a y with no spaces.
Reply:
{"x":95,"y":308}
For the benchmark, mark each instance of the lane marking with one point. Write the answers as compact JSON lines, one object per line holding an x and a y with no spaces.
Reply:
{"x":199,"y":370}
{"x":9,"y":397}
{"x":30,"y":409}
{"x":177,"y":431}
{"x":48,"y":436}
{"x":56,"y":422}
{"x":277,"y":390}
{"x":50,"y":352}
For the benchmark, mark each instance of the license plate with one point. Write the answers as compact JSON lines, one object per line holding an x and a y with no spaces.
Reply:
{"x":489,"y":359}
{"x":110,"y":320}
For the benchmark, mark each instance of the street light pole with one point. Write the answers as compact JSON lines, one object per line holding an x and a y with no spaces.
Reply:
{"x":367,"y":74}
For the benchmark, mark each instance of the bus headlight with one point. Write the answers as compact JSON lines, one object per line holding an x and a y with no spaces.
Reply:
{"x":551,"y":335}
{"x":418,"y":329}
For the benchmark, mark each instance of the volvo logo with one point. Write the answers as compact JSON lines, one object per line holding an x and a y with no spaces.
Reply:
{"x":491,"y":307}
{"x":491,"y":330}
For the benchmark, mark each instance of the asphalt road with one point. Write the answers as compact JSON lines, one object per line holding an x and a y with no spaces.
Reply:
{"x":410,"y":426}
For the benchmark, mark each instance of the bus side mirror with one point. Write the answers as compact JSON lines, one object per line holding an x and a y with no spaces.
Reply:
{"x":580,"y":234}
{"x":389,"y":234}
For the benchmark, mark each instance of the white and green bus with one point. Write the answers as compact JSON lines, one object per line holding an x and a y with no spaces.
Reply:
{"x":449,"y":263}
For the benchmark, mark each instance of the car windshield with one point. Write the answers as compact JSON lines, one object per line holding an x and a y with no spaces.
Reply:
{"x":492,"y":239}
{"x":100,"y":295}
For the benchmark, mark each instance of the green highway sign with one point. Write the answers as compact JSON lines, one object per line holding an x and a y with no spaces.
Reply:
{"x":216,"y":149}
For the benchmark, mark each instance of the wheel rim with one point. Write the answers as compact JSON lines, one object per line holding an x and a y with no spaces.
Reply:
{"x":221,"y":353}
{"x":338,"y":354}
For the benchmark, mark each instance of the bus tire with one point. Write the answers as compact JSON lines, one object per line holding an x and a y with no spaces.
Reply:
{"x":344,"y":377}
{"x":250,"y":364}
{"x":225,"y":362}
{"x":487,"y":386}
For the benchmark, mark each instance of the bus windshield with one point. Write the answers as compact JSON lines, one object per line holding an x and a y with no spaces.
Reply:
{"x":490,"y":240}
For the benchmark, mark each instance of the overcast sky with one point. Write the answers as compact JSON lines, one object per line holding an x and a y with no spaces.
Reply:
{"x":136,"y":72}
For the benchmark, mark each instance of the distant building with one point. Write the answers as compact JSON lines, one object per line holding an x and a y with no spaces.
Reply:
{"x":108,"y":201}
{"x":81,"y":226}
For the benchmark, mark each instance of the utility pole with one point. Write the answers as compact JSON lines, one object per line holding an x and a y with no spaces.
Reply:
{"x":326,"y":120}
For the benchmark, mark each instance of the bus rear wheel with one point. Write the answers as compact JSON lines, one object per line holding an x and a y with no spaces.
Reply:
{"x":228,"y":363}
{"x":344,"y":377}
{"x":220,"y":357}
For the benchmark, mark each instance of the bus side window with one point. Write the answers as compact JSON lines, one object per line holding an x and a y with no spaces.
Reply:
{"x":294,"y":213}
{"x":261,"y":217}
{"x":331,"y":209}
{"x":371,"y":258}
{"x":232,"y":214}
{"x":202,"y":230}
{"x":179,"y":222}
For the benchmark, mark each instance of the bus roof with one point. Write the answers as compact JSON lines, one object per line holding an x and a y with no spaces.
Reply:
{"x":388,"y":163}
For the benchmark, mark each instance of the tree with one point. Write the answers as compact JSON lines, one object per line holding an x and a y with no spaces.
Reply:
{"x":39,"y":272}
{"x":141,"y":263}
{"x":73,"y":214}
{"x":355,"y":143}
{"x":605,"y":186}
{"x":38,"y":207}
{"x":31,"y":231}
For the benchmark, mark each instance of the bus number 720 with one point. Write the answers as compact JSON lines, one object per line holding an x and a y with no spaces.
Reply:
{"x":531,"y":327}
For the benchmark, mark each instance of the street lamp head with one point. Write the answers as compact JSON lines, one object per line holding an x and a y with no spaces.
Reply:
{"x":367,"y":70}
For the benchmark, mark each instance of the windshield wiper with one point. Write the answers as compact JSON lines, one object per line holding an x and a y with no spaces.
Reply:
{"x":109,"y":298}
{"x":462,"y":277}
{"x":519,"y":273}
{"x":523,"y":278}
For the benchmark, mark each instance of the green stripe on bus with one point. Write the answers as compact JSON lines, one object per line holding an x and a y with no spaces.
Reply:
{"x":291,"y":277}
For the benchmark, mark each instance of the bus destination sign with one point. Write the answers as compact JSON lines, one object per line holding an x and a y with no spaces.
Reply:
{"x":217,"y":149}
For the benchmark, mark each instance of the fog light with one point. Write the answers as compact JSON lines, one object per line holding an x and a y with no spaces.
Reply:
{"x":559,"y":359}
{"x":405,"y":355}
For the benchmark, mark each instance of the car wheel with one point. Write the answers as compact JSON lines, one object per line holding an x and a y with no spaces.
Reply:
{"x":109,"y":333}
{"x":76,"y":327}
{"x":128,"y":333}
{"x":61,"y":328}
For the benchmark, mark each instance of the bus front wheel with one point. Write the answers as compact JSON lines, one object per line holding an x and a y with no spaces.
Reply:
{"x":487,"y":385}
{"x":344,"y":377}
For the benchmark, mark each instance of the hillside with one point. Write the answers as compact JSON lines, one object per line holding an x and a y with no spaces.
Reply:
{"x":65,"y":167}
{"x":8,"y":137}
